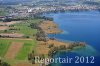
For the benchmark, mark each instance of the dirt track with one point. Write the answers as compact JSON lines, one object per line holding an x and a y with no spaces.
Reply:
{"x":13,"y":50}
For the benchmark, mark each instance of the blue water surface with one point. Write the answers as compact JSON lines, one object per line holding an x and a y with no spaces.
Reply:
{"x":79,"y":26}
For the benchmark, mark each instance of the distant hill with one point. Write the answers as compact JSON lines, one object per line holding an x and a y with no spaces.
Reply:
{"x":13,"y":2}
{"x":46,"y":1}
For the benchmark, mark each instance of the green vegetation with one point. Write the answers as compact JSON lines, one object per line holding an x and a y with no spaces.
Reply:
{"x":29,"y":42}
{"x":22,"y":55}
{"x":4,"y":45}
{"x":2,"y":63}
{"x":24,"y":28}
{"x":25,"y":50}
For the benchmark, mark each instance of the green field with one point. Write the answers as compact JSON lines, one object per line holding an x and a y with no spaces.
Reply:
{"x":4,"y":45}
{"x":25,"y":50}
{"x":22,"y":55}
{"x":28,"y":46}
{"x":25,"y":29}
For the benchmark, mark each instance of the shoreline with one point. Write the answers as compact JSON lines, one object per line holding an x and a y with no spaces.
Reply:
{"x":50,"y":46}
{"x":66,"y":11}
{"x":49,"y":27}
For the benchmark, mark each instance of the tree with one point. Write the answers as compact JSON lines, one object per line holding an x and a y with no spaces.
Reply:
{"x":27,"y":36}
{"x":52,"y":51}
{"x":5,"y":31}
{"x":7,"y":19}
{"x":62,"y":47}
{"x":32,"y":51}
{"x":50,"y":45}
{"x":4,"y":64}
{"x":0,"y":61}
{"x":30,"y":56}
{"x":0,"y":36}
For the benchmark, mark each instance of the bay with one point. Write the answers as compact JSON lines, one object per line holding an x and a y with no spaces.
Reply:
{"x":79,"y":26}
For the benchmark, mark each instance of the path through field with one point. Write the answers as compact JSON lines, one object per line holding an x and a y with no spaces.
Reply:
{"x":13,"y":50}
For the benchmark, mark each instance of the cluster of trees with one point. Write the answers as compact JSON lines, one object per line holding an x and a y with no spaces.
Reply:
{"x":41,"y":36}
{"x":2,"y":63}
{"x":13,"y":19}
{"x":53,"y":50}
{"x":43,"y":17}
{"x":50,"y":45}
{"x":34,"y":25}
{"x":31,"y":57}
{"x":7,"y":20}
{"x":76,"y":44}
{"x":62,"y":47}
{"x":14,"y":29}
{"x":5,"y":36}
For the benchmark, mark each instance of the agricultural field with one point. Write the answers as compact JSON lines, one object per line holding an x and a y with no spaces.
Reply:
{"x":16,"y":50}
{"x":27,"y":46}
{"x":13,"y":52}
{"x":4,"y":45}
{"x":23,"y":28}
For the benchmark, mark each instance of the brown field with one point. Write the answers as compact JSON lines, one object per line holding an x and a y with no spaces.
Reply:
{"x":50,"y":27}
{"x":3,"y":27}
{"x":58,"y":43}
{"x":42,"y":47}
{"x":13,"y":50}
{"x":9,"y":23}
{"x":12,"y":35}
{"x":13,"y":22}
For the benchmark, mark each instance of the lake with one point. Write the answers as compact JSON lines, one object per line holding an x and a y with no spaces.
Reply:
{"x":79,"y":26}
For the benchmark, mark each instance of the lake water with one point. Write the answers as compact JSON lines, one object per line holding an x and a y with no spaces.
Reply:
{"x":79,"y":26}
